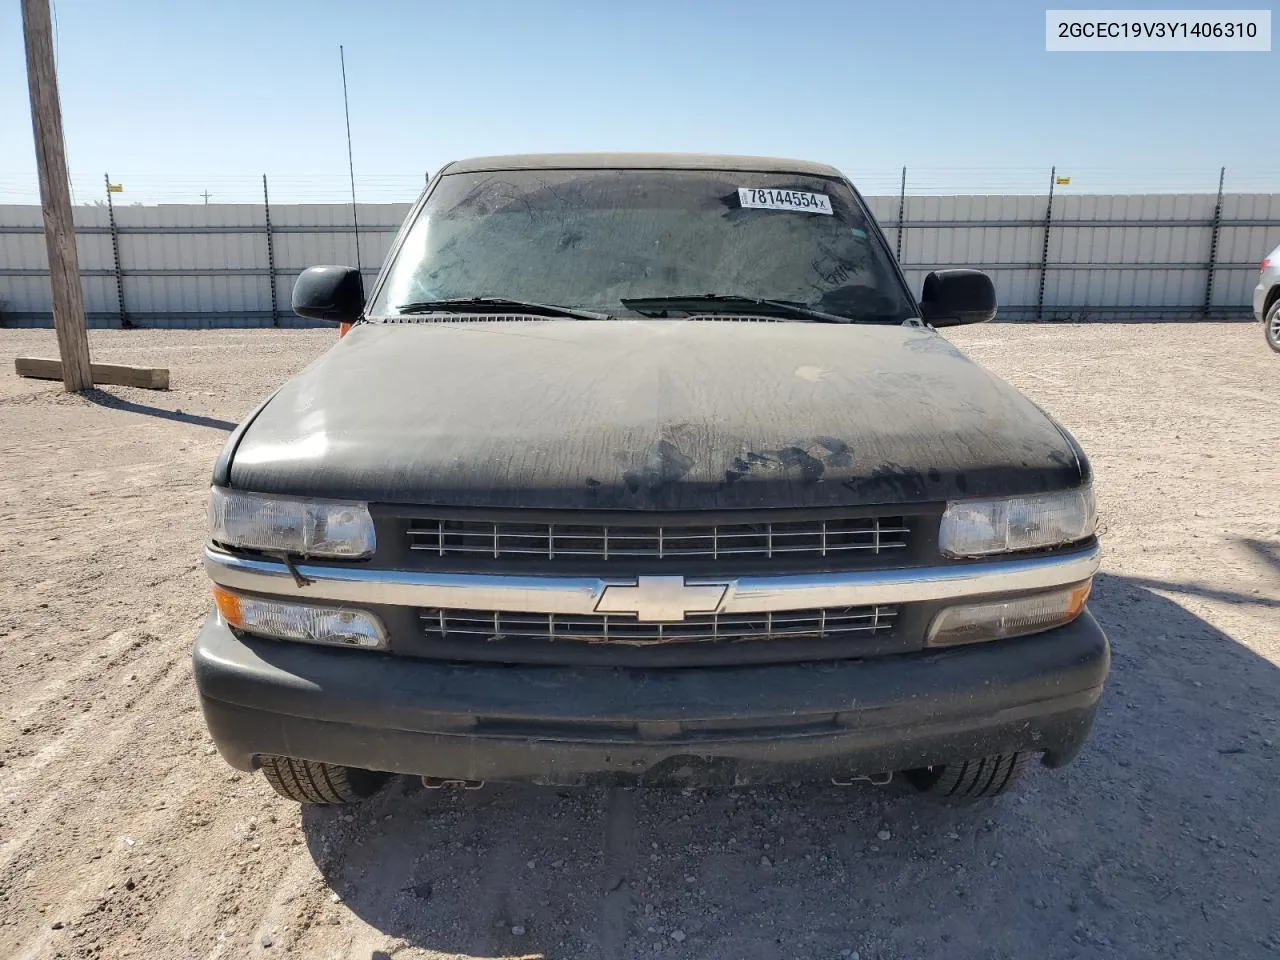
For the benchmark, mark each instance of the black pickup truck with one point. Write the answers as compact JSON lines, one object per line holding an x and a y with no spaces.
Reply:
{"x":647,"y":469}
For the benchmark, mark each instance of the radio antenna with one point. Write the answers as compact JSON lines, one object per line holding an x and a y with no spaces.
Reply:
{"x":351,"y":168}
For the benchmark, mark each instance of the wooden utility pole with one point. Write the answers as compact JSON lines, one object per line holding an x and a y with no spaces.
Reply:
{"x":55,"y":197}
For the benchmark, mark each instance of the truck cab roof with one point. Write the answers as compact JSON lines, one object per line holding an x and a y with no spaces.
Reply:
{"x":633,"y":161}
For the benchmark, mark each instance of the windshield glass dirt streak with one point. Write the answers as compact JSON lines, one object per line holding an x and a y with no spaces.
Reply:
{"x":589,"y":239}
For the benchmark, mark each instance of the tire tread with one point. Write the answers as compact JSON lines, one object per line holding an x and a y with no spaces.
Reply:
{"x":308,"y":781}
{"x":972,"y":779}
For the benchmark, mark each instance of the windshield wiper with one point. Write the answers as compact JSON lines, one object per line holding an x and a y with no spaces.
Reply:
{"x":658,"y":306}
{"x":495,"y":304}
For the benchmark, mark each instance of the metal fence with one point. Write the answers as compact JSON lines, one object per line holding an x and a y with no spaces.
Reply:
{"x":1072,"y":257}
{"x":1094,"y":257}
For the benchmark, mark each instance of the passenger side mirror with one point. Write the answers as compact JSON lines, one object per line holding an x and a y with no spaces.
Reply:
{"x":329,"y":293}
{"x":953,"y":297}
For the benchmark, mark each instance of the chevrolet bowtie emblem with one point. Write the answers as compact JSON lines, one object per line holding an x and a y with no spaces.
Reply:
{"x":661,"y":599}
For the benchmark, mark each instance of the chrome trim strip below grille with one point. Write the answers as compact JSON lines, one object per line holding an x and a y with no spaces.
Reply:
{"x":581,"y":595}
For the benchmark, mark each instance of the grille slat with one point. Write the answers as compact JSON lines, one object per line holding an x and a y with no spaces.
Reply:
{"x":562,"y":541}
{"x":662,"y":536}
{"x":812,"y":624}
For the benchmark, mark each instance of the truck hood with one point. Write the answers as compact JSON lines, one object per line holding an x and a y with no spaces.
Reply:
{"x":648,"y":415}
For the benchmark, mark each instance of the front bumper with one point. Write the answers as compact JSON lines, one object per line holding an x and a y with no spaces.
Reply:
{"x":723,"y":725}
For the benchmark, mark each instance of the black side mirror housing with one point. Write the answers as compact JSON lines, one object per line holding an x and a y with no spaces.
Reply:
{"x":329,"y":293}
{"x":953,"y":297}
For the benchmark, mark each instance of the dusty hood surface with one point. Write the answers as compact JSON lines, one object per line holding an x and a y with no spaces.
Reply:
{"x":649,"y":414}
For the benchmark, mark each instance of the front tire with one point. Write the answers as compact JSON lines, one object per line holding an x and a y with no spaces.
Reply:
{"x":971,"y":779}
{"x":307,"y":781}
{"x":1271,"y":326}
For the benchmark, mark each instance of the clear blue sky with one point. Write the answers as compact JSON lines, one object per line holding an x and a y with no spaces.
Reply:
{"x":175,"y":95}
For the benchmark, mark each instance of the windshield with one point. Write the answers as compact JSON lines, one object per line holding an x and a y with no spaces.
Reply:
{"x":590,"y":239}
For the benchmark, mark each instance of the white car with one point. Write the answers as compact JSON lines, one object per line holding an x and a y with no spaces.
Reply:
{"x":1266,"y":298}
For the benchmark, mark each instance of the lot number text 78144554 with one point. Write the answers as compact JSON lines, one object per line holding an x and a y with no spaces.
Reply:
{"x":768,"y":199}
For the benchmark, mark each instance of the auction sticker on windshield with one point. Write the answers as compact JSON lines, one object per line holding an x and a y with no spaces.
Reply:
{"x":766,"y":199}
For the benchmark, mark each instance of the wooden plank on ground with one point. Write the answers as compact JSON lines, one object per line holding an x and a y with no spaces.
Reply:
{"x":149,"y":378}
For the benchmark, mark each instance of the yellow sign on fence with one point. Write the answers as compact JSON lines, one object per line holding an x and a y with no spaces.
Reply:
{"x":115,"y":188}
{"x":1063,"y":181}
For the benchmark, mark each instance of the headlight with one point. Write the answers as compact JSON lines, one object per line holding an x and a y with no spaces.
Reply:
{"x":283,"y":620}
{"x":1014,"y":617}
{"x":975,"y":528}
{"x":310,"y":528}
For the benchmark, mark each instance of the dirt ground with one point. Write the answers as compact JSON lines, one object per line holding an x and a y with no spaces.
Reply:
{"x":122,"y":834}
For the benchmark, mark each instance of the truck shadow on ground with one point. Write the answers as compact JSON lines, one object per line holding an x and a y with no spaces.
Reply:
{"x":1160,"y":840}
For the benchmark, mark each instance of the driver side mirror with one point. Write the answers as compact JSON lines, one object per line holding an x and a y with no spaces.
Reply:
{"x":335,"y":294}
{"x":953,"y":297}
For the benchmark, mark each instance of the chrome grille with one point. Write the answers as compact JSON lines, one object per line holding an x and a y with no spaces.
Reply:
{"x":802,"y":538}
{"x":617,"y":629}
